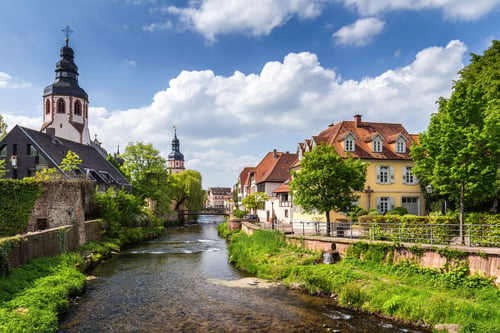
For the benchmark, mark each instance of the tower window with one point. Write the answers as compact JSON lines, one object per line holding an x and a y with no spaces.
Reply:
{"x":78,"y":108}
{"x":47,"y":106}
{"x":61,"y":106}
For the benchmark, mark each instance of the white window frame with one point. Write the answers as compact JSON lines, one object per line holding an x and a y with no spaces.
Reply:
{"x":401,"y":146}
{"x":408,"y":177}
{"x":384,"y":204}
{"x":385,"y":174}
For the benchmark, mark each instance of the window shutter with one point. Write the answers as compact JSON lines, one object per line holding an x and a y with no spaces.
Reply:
{"x":392,"y":201}
{"x":404,"y":175}
{"x":378,"y":173}
{"x":378,"y":204}
{"x":391,"y":174}
{"x":415,"y":180}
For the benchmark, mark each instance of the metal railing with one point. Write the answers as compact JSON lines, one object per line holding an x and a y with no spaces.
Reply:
{"x":485,"y":235}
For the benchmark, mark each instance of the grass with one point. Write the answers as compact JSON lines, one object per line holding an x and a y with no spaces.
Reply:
{"x":404,"y":291}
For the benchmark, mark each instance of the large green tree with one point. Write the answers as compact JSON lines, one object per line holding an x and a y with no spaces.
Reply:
{"x":186,"y":189}
{"x":147,"y":172}
{"x":459,"y":153}
{"x":327,"y":182}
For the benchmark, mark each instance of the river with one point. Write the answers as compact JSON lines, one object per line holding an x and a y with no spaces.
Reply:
{"x":173,"y":284}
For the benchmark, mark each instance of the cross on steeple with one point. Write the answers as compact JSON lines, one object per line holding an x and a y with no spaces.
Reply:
{"x":67,"y":32}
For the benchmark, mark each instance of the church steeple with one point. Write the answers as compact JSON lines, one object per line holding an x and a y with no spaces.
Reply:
{"x":65,"y":102}
{"x":175,"y":161}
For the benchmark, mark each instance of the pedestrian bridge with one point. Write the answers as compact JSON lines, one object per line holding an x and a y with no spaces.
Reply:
{"x":204,"y":211}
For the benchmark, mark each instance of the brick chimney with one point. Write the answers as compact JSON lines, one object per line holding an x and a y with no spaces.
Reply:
{"x":357,"y":120}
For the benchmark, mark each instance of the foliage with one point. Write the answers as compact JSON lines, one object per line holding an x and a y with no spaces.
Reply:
{"x":238,"y":213}
{"x":3,"y":170}
{"x":483,"y":229}
{"x":47,"y":174}
{"x":267,"y":254}
{"x":398,"y":211}
{"x":33,"y":296}
{"x":71,"y":162}
{"x":223,"y":231}
{"x":3,"y":128}
{"x":356,"y":212}
{"x":327,"y":182}
{"x":186,"y":189}
{"x":409,"y":228}
{"x":254,"y":201}
{"x":147,"y":172}
{"x":120,"y":209}
{"x":17,"y":198}
{"x":405,"y":291}
{"x":459,"y":153}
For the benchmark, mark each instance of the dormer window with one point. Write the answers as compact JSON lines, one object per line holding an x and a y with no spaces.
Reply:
{"x":377,"y":145}
{"x":350,"y":142}
{"x":401,"y":145}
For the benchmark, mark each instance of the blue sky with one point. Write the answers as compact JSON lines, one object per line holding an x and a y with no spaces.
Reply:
{"x":239,"y":78}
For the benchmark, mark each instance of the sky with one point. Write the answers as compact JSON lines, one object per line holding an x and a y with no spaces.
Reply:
{"x":240,"y":78}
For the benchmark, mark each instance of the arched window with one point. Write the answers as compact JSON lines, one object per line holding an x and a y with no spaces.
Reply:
{"x":61,"y":106}
{"x":78,"y":108}
{"x":47,"y":106}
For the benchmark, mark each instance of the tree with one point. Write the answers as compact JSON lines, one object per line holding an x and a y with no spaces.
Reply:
{"x":3,"y":128}
{"x":254,"y":200}
{"x":459,"y":155}
{"x":147,"y":172}
{"x":3,"y":171}
{"x":71,"y":162}
{"x":186,"y":189}
{"x":327,"y":182}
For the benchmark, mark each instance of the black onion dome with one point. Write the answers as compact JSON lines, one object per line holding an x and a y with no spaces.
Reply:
{"x":66,"y":82}
{"x":175,"y":155}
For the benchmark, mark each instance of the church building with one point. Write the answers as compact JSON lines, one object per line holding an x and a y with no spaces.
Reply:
{"x":64,"y":128}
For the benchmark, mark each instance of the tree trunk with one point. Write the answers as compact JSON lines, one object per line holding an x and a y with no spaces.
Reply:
{"x":328,"y":231}
{"x":462,"y":213}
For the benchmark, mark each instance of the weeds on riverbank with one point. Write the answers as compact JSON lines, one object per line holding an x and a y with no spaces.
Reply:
{"x":404,"y":291}
{"x":34,"y":294}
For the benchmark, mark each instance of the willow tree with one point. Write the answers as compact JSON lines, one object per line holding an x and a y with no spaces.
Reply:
{"x":327,"y":182}
{"x":186,"y":189}
{"x":459,"y":153}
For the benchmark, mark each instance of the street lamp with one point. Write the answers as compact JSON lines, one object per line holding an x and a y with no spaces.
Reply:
{"x":429,"y":190}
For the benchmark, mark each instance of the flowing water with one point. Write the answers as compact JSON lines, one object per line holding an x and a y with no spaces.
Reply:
{"x":172,"y":284}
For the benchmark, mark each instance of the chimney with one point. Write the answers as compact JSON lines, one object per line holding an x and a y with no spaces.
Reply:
{"x":51,"y":132}
{"x":357,"y":120}
{"x":275,"y":154}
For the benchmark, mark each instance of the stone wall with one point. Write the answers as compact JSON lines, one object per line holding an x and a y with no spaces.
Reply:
{"x":62,"y":203}
{"x":482,"y":261}
{"x":51,"y":242}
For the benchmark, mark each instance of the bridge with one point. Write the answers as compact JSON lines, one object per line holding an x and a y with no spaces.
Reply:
{"x":182,"y":214}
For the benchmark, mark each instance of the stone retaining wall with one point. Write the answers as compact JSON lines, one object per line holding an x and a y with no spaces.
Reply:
{"x":482,"y":261}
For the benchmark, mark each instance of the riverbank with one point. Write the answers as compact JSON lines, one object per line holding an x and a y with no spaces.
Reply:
{"x":34,"y":295}
{"x":405,"y":292}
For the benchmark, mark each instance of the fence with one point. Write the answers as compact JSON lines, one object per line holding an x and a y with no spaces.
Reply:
{"x":487,"y":235}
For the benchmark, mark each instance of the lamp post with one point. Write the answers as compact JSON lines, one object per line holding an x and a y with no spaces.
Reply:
{"x":429,"y":190}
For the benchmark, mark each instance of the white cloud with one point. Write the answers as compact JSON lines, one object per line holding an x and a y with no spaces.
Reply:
{"x":156,"y":26}
{"x":256,"y":18}
{"x":452,"y":9}
{"x":227,"y":122}
{"x":7,"y":81}
{"x":360,"y":32}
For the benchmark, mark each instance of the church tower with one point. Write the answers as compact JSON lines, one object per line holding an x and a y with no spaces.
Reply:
{"x":65,"y":102}
{"x":175,"y":161}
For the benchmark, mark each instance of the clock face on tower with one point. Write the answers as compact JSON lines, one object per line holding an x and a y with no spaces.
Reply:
{"x":64,"y":74}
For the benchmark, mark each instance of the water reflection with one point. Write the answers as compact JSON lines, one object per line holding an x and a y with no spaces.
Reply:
{"x":166,"y":285}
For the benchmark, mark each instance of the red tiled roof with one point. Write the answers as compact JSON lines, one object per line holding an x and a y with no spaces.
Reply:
{"x":274,"y":167}
{"x":365,"y":132}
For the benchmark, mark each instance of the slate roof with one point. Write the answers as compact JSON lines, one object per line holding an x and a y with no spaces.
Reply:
{"x":94,"y":163}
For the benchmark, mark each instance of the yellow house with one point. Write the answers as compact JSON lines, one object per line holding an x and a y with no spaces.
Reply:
{"x":385,"y":147}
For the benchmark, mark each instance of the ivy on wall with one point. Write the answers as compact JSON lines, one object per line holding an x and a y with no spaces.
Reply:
{"x":17,"y":198}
